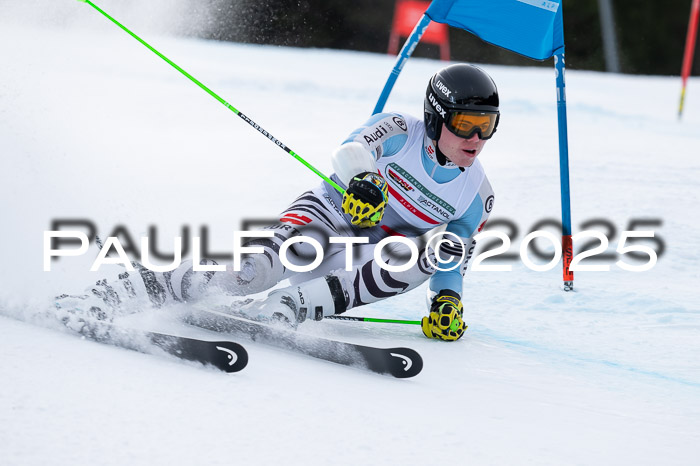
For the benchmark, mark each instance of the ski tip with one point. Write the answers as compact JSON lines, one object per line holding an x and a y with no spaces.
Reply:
{"x":82,"y":1}
{"x":405,"y":362}
{"x":230,"y":357}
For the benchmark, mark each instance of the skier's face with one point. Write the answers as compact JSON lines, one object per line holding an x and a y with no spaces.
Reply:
{"x":460,"y":151}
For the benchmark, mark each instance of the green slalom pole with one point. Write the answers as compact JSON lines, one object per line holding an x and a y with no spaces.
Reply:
{"x":371,"y":319}
{"x":226,"y":104}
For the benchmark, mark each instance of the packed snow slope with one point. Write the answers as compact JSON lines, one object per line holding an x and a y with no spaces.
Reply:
{"x":94,"y":126}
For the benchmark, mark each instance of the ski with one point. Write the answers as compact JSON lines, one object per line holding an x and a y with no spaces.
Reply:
{"x":226,"y":356}
{"x":398,"y":362}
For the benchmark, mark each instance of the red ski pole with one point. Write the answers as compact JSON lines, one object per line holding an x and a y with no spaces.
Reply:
{"x":689,"y":50}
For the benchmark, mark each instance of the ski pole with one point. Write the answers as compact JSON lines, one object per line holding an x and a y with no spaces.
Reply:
{"x":245,"y":118}
{"x":371,"y":319}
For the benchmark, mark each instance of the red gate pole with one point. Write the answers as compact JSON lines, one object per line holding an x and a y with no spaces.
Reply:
{"x":689,"y":50}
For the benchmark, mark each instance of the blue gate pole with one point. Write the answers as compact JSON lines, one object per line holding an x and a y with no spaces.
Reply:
{"x":401,"y":60}
{"x":567,"y":247}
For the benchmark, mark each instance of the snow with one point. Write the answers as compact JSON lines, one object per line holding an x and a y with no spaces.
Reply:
{"x":94,"y":126}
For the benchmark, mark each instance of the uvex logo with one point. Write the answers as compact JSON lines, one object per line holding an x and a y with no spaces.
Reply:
{"x":436,"y":105}
{"x":443,"y":88}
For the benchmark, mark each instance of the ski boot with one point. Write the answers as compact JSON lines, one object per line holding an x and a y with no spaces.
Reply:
{"x":292,"y":305}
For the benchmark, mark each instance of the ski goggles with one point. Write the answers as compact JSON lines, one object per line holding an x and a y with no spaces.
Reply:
{"x":465,"y":124}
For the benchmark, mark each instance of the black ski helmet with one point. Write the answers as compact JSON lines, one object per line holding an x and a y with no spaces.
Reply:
{"x":459,"y":87}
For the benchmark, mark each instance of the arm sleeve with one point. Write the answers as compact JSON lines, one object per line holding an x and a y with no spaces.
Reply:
{"x":465,"y":228}
{"x":383,"y":135}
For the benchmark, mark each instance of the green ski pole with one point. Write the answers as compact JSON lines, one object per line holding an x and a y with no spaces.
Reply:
{"x":245,"y":118}
{"x":371,"y":319}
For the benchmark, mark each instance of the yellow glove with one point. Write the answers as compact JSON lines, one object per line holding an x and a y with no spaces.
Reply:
{"x":365,"y":199}
{"x":445,"y":319}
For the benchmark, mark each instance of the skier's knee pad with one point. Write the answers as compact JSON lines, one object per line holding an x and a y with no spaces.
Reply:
{"x":258,"y":272}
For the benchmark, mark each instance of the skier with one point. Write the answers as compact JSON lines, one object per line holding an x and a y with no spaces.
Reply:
{"x":403,"y":177}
